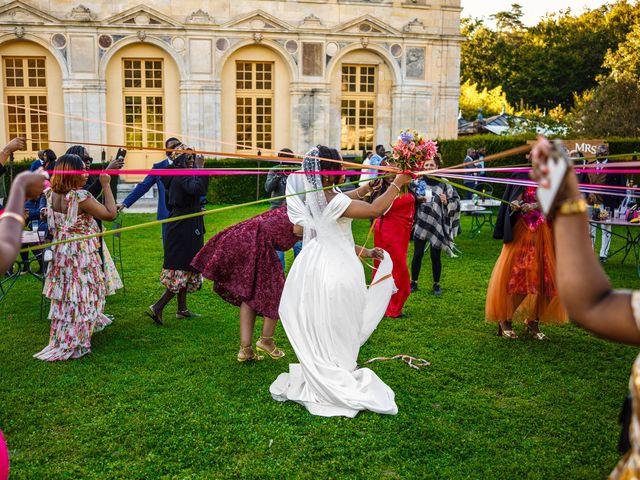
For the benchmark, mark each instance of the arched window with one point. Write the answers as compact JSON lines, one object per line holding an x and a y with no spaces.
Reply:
{"x":143,"y":93}
{"x":358,"y":107}
{"x":254,"y":105}
{"x":25,"y":91}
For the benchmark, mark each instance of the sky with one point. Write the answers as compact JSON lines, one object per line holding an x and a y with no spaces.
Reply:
{"x":533,"y":9}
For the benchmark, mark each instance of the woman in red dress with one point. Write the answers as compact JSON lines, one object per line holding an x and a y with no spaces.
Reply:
{"x":393,"y":233}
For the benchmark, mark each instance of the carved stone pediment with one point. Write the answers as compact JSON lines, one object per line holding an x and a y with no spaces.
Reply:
{"x":258,"y":20}
{"x":20,"y":13}
{"x":142,"y":16}
{"x":81,"y":14}
{"x":200,"y":17}
{"x":366,"y":25}
{"x":311,"y":21}
{"x":415,"y":26}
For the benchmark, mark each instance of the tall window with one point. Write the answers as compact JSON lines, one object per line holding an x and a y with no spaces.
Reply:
{"x":254,"y":105}
{"x":358,"y":107}
{"x":143,"y":92}
{"x":25,"y":87}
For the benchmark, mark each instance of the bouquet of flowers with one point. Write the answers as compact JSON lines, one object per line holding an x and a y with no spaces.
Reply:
{"x":411,"y":151}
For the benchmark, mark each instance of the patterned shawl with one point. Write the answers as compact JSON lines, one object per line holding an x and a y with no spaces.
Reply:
{"x":436,"y":222}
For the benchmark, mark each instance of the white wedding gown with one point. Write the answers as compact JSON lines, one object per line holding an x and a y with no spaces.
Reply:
{"x":328,"y":312}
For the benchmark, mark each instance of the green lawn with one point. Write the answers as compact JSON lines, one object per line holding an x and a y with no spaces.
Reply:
{"x":173,"y":402}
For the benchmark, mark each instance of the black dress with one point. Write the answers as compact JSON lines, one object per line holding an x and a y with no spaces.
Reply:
{"x":183,"y":238}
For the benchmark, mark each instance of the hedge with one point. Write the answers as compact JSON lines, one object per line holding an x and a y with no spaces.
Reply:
{"x":245,"y":188}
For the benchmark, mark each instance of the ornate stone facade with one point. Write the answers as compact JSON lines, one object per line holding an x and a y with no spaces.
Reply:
{"x":412,"y":46}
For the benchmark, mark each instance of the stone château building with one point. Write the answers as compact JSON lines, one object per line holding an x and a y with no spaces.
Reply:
{"x":243,"y":75}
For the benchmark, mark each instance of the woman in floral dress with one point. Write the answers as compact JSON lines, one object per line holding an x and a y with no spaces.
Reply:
{"x":75,"y":282}
{"x":522,"y":286}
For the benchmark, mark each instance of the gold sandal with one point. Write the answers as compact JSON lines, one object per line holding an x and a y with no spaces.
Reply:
{"x":275,"y":354}
{"x":255,"y":357}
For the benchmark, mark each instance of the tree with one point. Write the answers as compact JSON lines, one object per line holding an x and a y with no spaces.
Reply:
{"x":624,"y":63}
{"x":610,"y":109}
{"x":545,"y":65}
{"x":509,"y":20}
{"x":492,"y":102}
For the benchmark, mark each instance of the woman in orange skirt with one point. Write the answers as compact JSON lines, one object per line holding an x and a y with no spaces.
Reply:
{"x":522,"y":288}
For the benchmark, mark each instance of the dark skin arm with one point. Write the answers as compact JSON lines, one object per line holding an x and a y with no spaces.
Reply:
{"x":359,"y":209}
{"x":583,"y":286}
{"x":26,"y":185}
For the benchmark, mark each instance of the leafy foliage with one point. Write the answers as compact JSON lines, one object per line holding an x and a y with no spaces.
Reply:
{"x":543,"y":66}
{"x":611,"y":109}
{"x":472,"y":99}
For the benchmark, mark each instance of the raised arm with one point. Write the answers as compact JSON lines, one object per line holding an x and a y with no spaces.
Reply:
{"x":106,"y":211}
{"x":139,"y":190}
{"x":583,"y":286}
{"x":359,"y":209}
{"x":14,"y":145}
{"x":26,"y":185}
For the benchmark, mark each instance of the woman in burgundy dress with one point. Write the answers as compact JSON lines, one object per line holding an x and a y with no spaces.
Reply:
{"x":393,"y":233}
{"x":246,"y":271}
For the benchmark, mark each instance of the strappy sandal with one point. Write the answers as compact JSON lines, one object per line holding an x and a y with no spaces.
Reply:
{"x":508,"y":334}
{"x":541,"y":337}
{"x":253,"y":358}
{"x":275,"y":354}
{"x":186,"y":314}
{"x":150,"y":312}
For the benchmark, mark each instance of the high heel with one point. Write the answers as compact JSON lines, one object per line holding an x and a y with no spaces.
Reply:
{"x":508,"y":334}
{"x":254,"y":357}
{"x":275,"y":354}
{"x":541,"y":337}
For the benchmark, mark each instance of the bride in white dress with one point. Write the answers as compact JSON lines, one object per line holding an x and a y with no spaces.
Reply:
{"x":326,"y":308}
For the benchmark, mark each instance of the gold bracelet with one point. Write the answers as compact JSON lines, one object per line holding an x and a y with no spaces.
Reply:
{"x":15,"y":216}
{"x":394,"y":184}
{"x":361,"y":197}
{"x":573,"y":207}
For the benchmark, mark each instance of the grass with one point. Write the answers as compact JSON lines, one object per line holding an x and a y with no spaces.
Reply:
{"x":173,"y":402}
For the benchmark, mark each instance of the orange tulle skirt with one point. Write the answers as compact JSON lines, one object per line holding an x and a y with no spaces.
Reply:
{"x":522,"y":286}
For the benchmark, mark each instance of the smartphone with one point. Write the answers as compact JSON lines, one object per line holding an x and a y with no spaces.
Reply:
{"x":122,"y":153}
{"x":559,"y":163}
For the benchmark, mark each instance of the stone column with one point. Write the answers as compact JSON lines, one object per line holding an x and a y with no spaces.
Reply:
{"x":200,"y":107}
{"x":411,"y":108}
{"x":310,"y":104}
{"x":85,"y":105}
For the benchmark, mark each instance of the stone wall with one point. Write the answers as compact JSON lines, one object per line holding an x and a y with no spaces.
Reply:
{"x":415,"y":43}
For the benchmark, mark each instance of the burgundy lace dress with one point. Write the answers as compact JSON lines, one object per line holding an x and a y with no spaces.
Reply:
{"x":243,"y":264}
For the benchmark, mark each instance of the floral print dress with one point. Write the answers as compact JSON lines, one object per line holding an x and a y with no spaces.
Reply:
{"x":75,"y":282}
